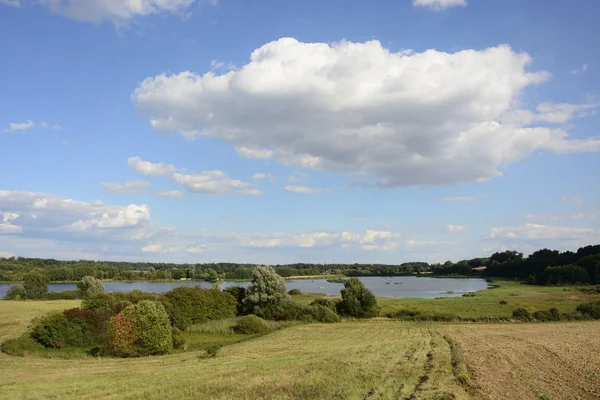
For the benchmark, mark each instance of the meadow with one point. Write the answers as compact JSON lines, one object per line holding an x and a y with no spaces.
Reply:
{"x":368,"y":359}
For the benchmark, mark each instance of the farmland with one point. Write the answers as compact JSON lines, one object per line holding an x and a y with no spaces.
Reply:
{"x":373,"y":359}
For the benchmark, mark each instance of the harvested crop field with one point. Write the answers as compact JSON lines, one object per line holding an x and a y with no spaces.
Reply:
{"x":533,"y":361}
{"x":373,"y":359}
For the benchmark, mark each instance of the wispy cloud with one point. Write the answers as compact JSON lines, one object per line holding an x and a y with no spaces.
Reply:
{"x":581,"y":69}
{"x":464,"y":198}
{"x":306,"y":190}
{"x":127,"y":187}
{"x":28,"y":125}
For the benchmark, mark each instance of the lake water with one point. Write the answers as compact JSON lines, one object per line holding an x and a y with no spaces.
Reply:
{"x":399,"y":286}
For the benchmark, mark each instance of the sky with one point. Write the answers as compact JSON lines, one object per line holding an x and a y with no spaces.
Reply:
{"x":273,"y":132}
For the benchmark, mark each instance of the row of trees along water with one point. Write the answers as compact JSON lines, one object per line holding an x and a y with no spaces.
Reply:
{"x":542,"y":267}
{"x":139,"y":324}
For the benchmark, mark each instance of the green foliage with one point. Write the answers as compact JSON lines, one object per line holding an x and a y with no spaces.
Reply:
{"x":178,"y":338}
{"x":329,"y":303}
{"x":239,"y":293}
{"x":15,"y":292}
{"x":357,"y":301}
{"x":323,"y":314}
{"x":285,"y":310}
{"x":90,"y":286}
{"x":141,"y":329}
{"x":267,"y":289}
{"x":36,"y":284}
{"x":57,"y":331}
{"x":295,"y":292}
{"x":566,"y":274}
{"x":548,"y":315}
{"x":213,"y":350}
{"x":192,"y":305}
{"x":250,"y":324}
{"x":522,"y":314}
{"x":62,"y":295}
{"x":591,"y":309}
{"x":503,"y":302}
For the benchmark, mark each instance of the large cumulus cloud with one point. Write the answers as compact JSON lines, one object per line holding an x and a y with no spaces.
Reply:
{"x":399,"y":119}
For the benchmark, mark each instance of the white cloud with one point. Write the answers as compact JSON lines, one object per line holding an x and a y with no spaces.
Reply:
{"x":196,"y":249}
{"x":456,"y":228}
{"x":538,"y":231}
{"x":439,"y":5}
{"x":56,"y":127}
{"x":261,"y":175}
{"x":44,"y":213}
{"x":6,"y":254}
{"x":127,"y":187}
{"x":176,"y":194}
{"x":305,"y":189}
{"x":119,"y":12}
{"x":214,"y":182}
{"x":551,"y":113}
{"x":149,"y":168}
{"x":11,"y":3}
{"x":580,"y":70}
{"x":562,"y":217}
{"x":28,"y":125}
{"x":297,"y":177}
{"x":575,"y":200}
{"x":496,"y":248}
{"x":418,"y":243}
{"x":459,"y":199}
{"x":152,"y":248}
{"x":5,"y":222}
{"x":429,"y":118}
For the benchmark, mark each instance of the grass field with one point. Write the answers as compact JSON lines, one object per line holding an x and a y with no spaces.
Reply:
{"x":373,"y":359}
{"x":487,"y":302}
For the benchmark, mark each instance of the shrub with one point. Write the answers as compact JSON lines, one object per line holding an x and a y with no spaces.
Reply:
{"x":357,"y":301}
{"x":15,"y":292}
{"x":521,"y":314}
{"x":250,"y":324}
{"x":591,"y":309}
{"x":286,"y":310}
{"x":212,"y":350}
{"x":103,"y":308}
{"x":267,"y":288}
{"x":36,"y":284}
{"x":63,"y":295}
{"x":548,"y":315}
{"x":239,"y":293}
{"x":141,"y":329}
{"x":90,"y":286}
{"x":329,"y":303}
{"x":503,"y":302}
{"x":192,"y":305}
{"x":57,"y":331}
{"x":178,"y":338}
{"x":295,"y":292}
{"x":403,"y":314}
{"x":324,"y":314}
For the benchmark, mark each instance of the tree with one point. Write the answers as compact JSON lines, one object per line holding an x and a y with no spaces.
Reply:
{"x":15,"y":292}
{"x":36,"y":284}
{"x":141,"y":329}
{"x":357,"y":301}
{"x":267,"y":288}
{"x":193,"y":305}
{"x":90,"y":286}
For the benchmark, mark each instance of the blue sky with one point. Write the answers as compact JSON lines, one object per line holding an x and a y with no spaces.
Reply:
{"x":275,"y":132}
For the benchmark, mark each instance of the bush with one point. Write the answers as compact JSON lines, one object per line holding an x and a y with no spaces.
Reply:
{"x":239,"y":293}
{"x":329,"y":303}
{"x":15,"y":292}
{"x":141,"y":329}
{"x":36,"y":284}
{"x":57,"y":331}
{"x":250,"y":324}
{"x":521,"y":314}
{"x":90,"y":286}
{"x":213,"y":350}
{"x":503,"y":302}
{"x":103,"y":307}
{"x":286,"y":310}
{"x":357,"y":301}
{"x":192,"y":305}
{"x":63,"y":295}
{"x":591,"y":309}
{"x":548,"y":315}
{"x":295,"y":292}
{"x":403,"y":314}
{"x":178,"y":338}
{"x":324,"y":314}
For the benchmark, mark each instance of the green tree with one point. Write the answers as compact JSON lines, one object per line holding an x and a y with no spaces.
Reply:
{"x":90,"y":286}
{"x":193,"y":305}
{"x":15,"y":292}
{"x":36,"y":284}
{"x":267,"y":288}
{"x":357,"y":301}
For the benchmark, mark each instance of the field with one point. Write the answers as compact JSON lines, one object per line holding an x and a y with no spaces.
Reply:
{"x":375,"y":359}
{"x":487,"y":302}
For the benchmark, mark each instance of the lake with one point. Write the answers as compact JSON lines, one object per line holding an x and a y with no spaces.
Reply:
{"x":398,"y":286}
